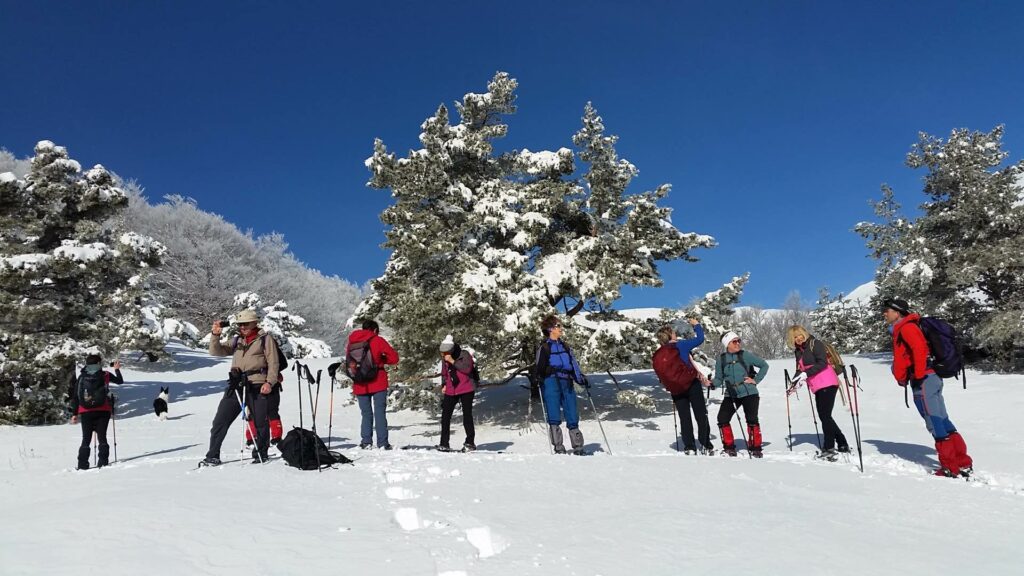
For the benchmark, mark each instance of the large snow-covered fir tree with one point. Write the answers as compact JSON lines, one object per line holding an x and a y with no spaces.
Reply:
{"x":484,"y":245}
{"x":70,"y":282}
{"x":963,"y":257}
{"x":852,"y":327}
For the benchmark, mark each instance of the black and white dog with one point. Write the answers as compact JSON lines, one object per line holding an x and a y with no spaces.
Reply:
{"x":160,"y":404}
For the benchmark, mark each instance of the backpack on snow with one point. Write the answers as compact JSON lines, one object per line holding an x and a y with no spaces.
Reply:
{"x":944,"y":348}
{"x":305,"y":450}
{"x":675,"y":374}
{"x":92,"y":389}
{"x":359,"y":363}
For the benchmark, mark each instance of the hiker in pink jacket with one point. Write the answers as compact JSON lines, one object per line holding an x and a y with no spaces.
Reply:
{"x":822,"y":381}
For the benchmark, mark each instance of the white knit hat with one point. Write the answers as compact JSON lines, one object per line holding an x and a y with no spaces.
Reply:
{"x":729,"y":337}
{"x":448,"y":344}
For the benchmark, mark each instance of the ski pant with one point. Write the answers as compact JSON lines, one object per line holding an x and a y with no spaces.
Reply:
{"x":825,"y":400}
{"x":932,"y":407}
{"x":94,"y":422}
{"x":229,"y":409}
{"x":560,"y":396}
{"x":730,"y":405}
{"x":373,"y":408}
{"x":693,"y":399}
{"x":448,"y":408}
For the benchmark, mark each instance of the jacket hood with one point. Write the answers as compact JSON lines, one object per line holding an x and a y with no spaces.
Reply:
{"x":361,"y":335}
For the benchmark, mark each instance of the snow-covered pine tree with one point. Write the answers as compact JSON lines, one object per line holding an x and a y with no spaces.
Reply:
{"x":963,"y":258}
{"x":65,"y":280}
{"x":484,"y":245}
{"x":850,"y":326}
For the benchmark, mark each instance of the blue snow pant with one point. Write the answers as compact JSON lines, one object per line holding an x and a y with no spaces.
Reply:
{"x":560,"y":396}
{"x":372,"y":407}
{"x":931,"y":407}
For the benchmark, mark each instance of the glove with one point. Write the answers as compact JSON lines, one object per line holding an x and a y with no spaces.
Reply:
{"x":796,"y":378}
{"x":916,"y":381}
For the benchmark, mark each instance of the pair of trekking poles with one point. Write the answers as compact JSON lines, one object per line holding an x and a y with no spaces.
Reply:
{"x":854,"y":405}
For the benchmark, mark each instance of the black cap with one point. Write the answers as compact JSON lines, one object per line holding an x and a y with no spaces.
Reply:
{"x":898,"y":305}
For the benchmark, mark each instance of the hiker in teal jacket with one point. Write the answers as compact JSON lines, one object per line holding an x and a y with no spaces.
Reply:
{"x":733,"y":370}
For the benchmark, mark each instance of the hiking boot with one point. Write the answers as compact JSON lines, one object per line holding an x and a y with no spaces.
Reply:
{"x":442,"y":448}
{"x":365,"y":446}
{"x":966,"y":472}
{"x":248,"y":442}
{"x":729,"y":450}
{"x":210,"y":461}
{"x":468,"y":447}
{"x":756,"y":452}
{"x":576,"y":440}
{"x":580,"y":452}
{"x":559,"y":449}
{"x":274,"y":441}
{"x":387,"y":447}
{"x":709,"y":451}
{"x":82,"y":466}
{"x":555,"y":434}
{"x":944,"y":472}
{"x":689,"y":451}
{"x":843,"y":449}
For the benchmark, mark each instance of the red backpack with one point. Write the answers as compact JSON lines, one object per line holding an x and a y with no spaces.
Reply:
{"x":675,"y":374}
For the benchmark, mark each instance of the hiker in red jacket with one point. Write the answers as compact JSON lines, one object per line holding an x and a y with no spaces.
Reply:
{"x":373,"y":395}
{"x":910,"y":366}
{"x":91,"y":404}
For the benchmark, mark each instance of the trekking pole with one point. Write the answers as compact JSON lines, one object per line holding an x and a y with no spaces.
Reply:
{"x":95,"y":449}
{"x":298,"y":382}
{"x":675,"y":424}
{"x":113,"y":422}
{"x":544,"y":411}
{"x":319,"y":467}
{"x":789,"y":418}
{"x":242,"y":403}
{"x":906,"y":396}
{"x":814,"y":416}
{"x":743,"y":432}
{"x":598,"y":417}
{"x":332,"y":371}
{"x":856,"y":413}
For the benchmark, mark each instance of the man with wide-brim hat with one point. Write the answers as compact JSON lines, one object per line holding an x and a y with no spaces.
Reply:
{"x":254,"y":372}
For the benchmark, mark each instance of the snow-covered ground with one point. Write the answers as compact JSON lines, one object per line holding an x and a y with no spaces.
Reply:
{"x":512,"y":508}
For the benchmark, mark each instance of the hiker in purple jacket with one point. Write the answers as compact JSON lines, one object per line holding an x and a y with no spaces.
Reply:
{"x":459,"y":378}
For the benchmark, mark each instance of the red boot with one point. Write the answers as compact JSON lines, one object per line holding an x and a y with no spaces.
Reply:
{"x":947,"y":458}
{"x":965,"y":462}
{"x":754,"y":433}
{"x":728,"y":442}
{"x":275,"y":431}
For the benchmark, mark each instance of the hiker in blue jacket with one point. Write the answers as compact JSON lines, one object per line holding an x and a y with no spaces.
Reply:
{"x":733,"y":370}
{"x":559,"y":371}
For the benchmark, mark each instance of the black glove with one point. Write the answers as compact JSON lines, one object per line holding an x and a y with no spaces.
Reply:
{"x":236,"y":378}
{"x":916,"y":381}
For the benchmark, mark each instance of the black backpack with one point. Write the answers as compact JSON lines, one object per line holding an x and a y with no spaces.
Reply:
{"x":305,"y":450}
{"x":359,"y":363}
{"x":944,"y":347}
{"x":92,"y":389}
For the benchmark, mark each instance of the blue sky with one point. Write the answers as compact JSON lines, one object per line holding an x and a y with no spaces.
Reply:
{"x":774,"y":121}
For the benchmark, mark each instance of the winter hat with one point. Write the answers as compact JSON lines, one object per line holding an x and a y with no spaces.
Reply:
{"x":729,"y":337}
{"x":898,"y":305}
{"x":448,"y":344}
{"x":247,"y":316}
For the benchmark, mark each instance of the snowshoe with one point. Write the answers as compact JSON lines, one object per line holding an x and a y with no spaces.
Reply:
{"x":944,"y":472}
{"x":729,"y":451}
{"x":442,"y":448}
{"x":830,"y":455}
{"x":843,"y":449}
{"x":756,"y":452}
{"x":559,"y":449}
{"x":387,"y":447}
{"x":580,"y":452}
{"x":967,"y":472}
{"x":690,"y":451}
{"x":209,"y":461}
{"x":365,"y":446}
{"x":468,"y":447}
{"x":708,"y":450}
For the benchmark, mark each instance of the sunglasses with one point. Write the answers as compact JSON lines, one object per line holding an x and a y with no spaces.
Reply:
{"x":736,"y":341}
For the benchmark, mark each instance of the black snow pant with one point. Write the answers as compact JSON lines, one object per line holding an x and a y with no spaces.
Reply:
{"x":693,"y":399}
{"x":825,"y":399}
{"x":94,"y":422}
{"x":448,"y":408}
{"x":229,"y":409}
{"x":730,"y":405}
